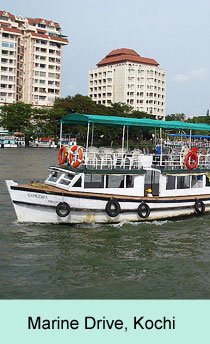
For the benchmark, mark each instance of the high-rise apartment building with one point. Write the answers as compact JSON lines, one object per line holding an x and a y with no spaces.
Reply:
{"x":126,"y":77}
{"x":30,"y":60}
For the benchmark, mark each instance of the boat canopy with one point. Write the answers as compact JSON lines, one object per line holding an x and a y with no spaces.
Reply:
{"x":77,"y":118}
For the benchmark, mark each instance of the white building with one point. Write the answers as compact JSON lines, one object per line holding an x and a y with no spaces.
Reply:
{"x":30,"y":60}
{"x":126,"y":77}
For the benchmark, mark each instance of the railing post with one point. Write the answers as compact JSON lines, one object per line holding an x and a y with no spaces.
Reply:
{"x":61,"y":129}
{"x":87,"y":142}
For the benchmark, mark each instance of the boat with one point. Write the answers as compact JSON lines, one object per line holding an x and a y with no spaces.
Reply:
{"x":110,"y":185}
{"x":43,"y":142}
{"x":67,"y":140}
{"x":11,"y":140}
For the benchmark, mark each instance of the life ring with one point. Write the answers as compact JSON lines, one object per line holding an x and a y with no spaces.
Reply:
{"x":62,"y":155}
{"x":143,"y":210}
{"x":199,"y":207}
{"x":191,"y":160}
{"x":62,"y":209}
{"x":113,"y":208}
{"x":79,"y":153}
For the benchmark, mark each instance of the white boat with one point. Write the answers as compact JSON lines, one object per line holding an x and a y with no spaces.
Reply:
{"x":15,"y":140}
{"x":43,"y":142}
{"x":67,"y":140}
{"x":111,"y":186}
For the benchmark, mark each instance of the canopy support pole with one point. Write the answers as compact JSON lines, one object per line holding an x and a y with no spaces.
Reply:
{"x":61,"y":130}
{"x":127,"y":137}
{"x":123,"y":139}
{"x":92,"y":134}
{"x":87,"y":141}
{"x":155,"y":137}
{"x":190,"y":137}
{"x":161,"y":147}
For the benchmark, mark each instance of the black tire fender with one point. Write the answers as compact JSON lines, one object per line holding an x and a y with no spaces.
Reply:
{"x":199,"y":207}
{"x":143,"y":210}
{"x":63,"y":209}
{"x":113,"y":208}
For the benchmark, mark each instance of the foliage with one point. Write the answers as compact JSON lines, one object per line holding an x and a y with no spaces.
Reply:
{"x":38,"y":122}
{"x":16,"y":117}
{"x":200,"y":119}
{"x":176,"y":117}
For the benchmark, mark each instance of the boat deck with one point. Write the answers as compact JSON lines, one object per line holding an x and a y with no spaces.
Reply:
{"x":48,"y":189}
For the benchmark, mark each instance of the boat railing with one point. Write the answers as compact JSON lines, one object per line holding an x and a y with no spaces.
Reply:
{"x":117,"y":159}
{"x":178,"y":161}
{"x":138,"y":160}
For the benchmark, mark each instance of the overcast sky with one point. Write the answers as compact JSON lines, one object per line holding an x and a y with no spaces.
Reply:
{"x":176,"y":33}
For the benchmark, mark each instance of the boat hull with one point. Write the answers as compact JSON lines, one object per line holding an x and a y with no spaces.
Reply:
{"x":40,"y":205}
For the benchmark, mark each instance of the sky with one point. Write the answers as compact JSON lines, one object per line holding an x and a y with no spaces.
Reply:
{"x":176,"y":33}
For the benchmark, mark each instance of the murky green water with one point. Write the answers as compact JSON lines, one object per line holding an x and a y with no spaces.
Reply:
{"x":159,"y":260}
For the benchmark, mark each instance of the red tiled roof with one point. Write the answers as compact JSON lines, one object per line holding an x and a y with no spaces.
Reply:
{"x":122,"y":51}
{"x":60,"y":39}
{"x":10,"y":29}
{"x":40,"y":20}
{"x":39,"y":35}
{"x":51,"y":38}
{"x":125,"y":55}
{"x":9,"y":14}
{"x":41,"y":31}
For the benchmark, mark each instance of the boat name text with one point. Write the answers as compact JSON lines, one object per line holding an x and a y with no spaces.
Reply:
{"x":38,"y":196}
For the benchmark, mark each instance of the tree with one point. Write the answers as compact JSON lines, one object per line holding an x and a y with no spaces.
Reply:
{"x":16,"y":116}
{"x":47,"y":121}
{"x":141,"y":114}
{"x":78,"y":103}
{"x":36,"y":122}
{"x":176,"y":117}
{"x":119,"y":109}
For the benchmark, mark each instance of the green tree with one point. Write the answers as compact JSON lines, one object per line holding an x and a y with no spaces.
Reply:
{"x":176,"y":117}
{"x":78,"y":103}
{"x":16,"y":116}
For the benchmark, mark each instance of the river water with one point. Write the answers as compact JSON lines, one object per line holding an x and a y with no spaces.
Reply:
{"x":158,"y":260}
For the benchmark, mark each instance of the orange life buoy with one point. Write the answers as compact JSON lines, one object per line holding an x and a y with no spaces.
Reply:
{"x":76,"y":151}
{"x":191,"y":159}
{"x":62,"y":155}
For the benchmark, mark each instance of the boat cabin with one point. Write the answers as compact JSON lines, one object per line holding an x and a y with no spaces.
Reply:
{"x":131,"y":182}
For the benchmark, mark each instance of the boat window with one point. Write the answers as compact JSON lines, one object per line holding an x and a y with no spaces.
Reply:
{"x":151,"y":177}
{"x":183,"y":182}
{"x":152,"y":181}
{"x":54,"y":176}
{"x":171,"y":182}
{"x":114,"y":181}
{"x":66,"y":179}
{"x":78,"y":183}
{"x":94,"y":181}
{"x":119,"y":181}
{"x":129,"y":181}
{"x":207,"y":181}
{"x":197,"y":181}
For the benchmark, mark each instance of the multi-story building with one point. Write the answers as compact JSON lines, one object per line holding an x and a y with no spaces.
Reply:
{"x":30,"y":60}
{"x":126,"y":77}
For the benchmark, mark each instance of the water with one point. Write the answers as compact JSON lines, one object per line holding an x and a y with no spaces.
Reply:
{"x":158,"y":260}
